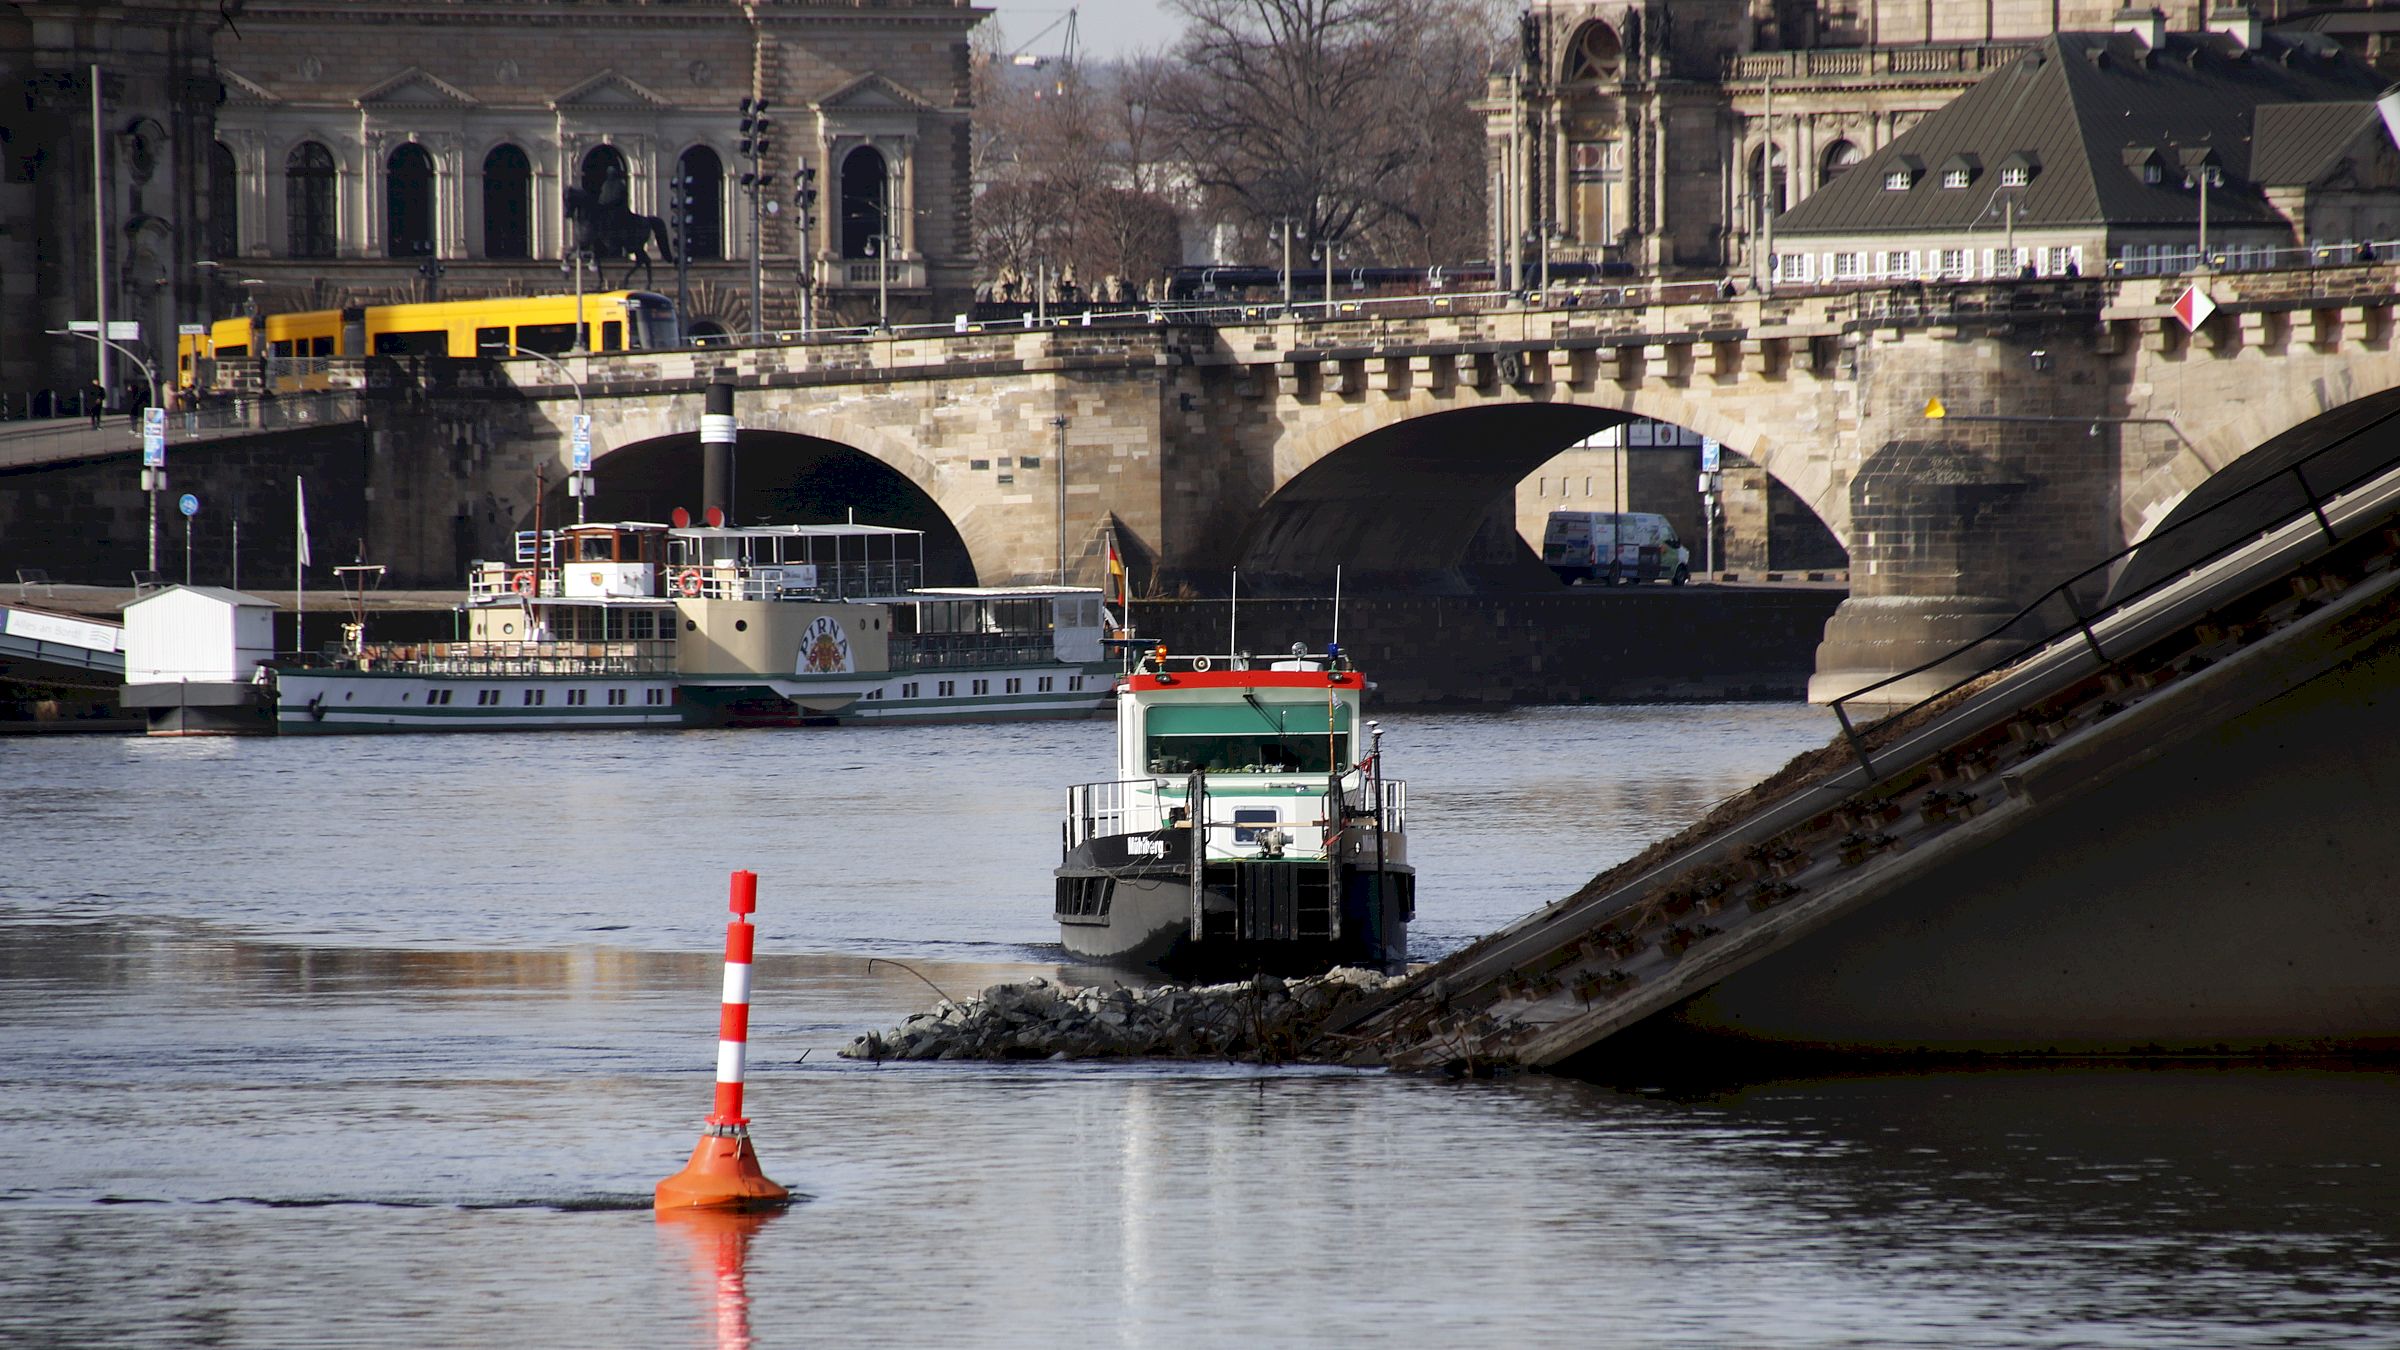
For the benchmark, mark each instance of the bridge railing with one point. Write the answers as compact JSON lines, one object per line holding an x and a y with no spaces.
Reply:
{"x":213,"y":419}
{"x":2283,"y":497}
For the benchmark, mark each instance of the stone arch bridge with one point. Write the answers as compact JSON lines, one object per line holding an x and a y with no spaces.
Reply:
{"x":2082,"y":415}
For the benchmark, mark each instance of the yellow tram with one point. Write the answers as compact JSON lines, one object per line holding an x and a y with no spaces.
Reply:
{"x":613,"y":321}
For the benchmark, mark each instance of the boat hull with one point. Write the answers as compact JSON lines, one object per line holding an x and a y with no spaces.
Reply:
{"x":337,"y":702}
{"x":1126,"y":901}
{"x":1027,"y":693}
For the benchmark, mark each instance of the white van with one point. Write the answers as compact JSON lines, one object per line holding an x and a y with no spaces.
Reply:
{"x":1614,"y":546}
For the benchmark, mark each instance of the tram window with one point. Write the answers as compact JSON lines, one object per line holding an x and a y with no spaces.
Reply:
{"x":240,"y":352}
{"x":550,"y":339}
{"x":424,"y":342}
{"x":285,"y":348}
{"x":320,"y":346}
{"x":612,"y":336}
{"x":491,"y":342}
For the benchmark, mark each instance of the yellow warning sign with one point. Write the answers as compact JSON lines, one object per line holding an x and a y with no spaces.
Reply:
{"x":1935,"y":410}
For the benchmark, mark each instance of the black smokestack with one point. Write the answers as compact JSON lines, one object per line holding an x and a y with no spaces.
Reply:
{"x":716,"y":455}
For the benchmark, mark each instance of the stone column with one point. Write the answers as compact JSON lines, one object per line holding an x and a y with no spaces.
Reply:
{"x":1957,"y":524}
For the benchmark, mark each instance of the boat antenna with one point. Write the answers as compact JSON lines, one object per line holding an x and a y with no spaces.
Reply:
{"x":1233,"y":614}
{"x":1337,"y":604}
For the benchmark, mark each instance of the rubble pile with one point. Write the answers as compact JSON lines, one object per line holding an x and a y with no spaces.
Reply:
{"x":1264,"y":1018}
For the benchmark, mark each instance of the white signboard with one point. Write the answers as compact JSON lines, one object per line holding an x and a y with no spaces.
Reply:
{"x":97,"y":637}
{"x":1708,"y":454}
{"x":154,"y":438}
{"x":119,"y":330}
{"x":583,"y":441}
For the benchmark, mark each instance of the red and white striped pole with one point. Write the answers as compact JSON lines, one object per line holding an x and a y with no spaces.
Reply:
{"x":724,"y":1171}
{"x":733,"y":1015}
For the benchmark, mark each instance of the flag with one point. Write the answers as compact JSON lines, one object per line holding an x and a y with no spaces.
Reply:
{"x":1116,"y":575}
{"x":300,"y":502}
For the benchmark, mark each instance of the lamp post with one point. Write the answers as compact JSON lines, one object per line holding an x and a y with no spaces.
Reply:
{"x":1285,"y":225}
{"x":1058,"y":462}
{"x":579,"y":476}
{"x":432,"y":270}
{"x":679,"y":207}
{"x":154,"y":477}
{"x":757,"y":182}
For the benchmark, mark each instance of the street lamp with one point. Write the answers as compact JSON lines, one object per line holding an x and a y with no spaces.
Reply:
{"x":579,"y":474}
{"x":154,"y":476}
{"x":432,"y":270}
{"x":1058,"y":469}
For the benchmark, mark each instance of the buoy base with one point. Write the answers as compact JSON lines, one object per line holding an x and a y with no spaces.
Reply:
{"x":723,"y":1174}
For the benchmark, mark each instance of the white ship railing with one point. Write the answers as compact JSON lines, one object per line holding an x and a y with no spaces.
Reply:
{"x":519,"y":658}
{"x":1099,"y":810}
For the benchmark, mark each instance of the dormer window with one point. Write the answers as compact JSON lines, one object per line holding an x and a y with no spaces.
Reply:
{"x":1956,"y":178}
{"x":1959,"y":171}
{"x":1896,"y":181}
{"x":2019,"y":168}
{"x":1903,"y":174}
{"x":2153,"y":174}
{"x":2018,"y":176}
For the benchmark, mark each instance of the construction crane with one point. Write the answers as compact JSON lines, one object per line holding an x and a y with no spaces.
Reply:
{"x":1025,"y":56}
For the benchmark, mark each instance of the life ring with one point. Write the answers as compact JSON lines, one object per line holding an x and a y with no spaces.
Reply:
{"x":1201,"y":664}
{"x":687,"y":582}
{"x":521,"y":583}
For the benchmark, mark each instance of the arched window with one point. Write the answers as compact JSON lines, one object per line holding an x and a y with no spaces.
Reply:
{"x":224,"y":206}
{"x":408,"y":202}
{"x":700,"y":192}
{"x":308,"y":181}
{"x":1838,"y":158}
{"x":1597,"y":55}
{"x":603,"y":174}
{"x":863,"y":187}
{"x":1768,"y":190}
{"x":507,"y":203}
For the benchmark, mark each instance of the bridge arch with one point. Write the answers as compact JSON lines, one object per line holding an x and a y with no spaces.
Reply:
{"x":790,"y":467}
{"x":1416,"y":487}
{"x":2329,"y":443}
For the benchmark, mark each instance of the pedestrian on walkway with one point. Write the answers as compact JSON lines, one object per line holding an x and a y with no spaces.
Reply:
{"x":95,"y":401}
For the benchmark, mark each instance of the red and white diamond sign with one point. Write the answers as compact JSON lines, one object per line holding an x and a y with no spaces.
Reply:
{"x":2194,"y":307}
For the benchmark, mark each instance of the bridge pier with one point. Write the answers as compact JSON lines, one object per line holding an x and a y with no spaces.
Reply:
{"x":1956,"y":521}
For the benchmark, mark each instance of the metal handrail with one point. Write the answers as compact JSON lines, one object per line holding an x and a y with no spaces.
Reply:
{"x":2083,"y":623}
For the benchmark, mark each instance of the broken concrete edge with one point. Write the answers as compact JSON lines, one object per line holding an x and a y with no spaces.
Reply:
{"x":1266,"y":1019}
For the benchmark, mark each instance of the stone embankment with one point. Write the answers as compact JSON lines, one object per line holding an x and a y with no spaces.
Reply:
{"x":1263,"y":1019}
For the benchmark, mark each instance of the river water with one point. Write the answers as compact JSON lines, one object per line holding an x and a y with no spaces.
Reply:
{"x":384,"y":1041}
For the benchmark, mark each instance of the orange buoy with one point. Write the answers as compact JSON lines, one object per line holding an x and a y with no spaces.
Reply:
{"x":723,"y":1172}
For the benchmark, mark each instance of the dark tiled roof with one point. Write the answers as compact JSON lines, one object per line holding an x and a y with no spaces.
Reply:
{"x":2075,"y":104}
{"x":2298,"y":143}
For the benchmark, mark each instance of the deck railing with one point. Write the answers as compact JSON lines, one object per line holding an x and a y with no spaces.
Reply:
{"x":519,"y":659}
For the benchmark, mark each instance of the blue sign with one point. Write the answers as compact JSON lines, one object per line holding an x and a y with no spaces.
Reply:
{"x":190,"y":504}
{"x":583,"y":441}
{"x":154,"y":438}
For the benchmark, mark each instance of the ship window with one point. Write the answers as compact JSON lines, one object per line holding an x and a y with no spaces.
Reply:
{"x":1245,"y":753}
{"x":1248,"y":820}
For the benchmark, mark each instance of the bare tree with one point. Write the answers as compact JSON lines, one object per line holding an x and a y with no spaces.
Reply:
{"x":1349,"y":118}
{"x":1063,"y":178}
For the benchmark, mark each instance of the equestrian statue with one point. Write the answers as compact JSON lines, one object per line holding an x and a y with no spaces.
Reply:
{"x":606,"y":228}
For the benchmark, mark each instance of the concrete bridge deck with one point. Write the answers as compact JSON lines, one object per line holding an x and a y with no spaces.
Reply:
{"x":2163,"y":831}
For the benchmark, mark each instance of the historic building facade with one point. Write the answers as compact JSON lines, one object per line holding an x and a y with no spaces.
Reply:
{"x":73,"y":241}
{"x":364,"y":139}
{"x":1660,"y":135}
{"x":318,"y":152}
